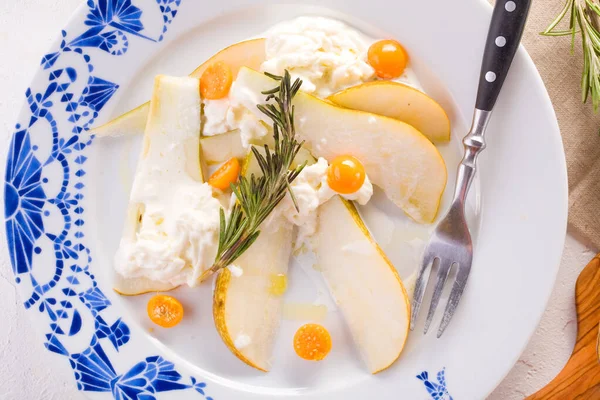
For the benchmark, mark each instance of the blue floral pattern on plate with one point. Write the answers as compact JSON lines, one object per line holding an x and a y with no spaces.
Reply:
{"x":437,"y":391}
{"x":70,"y":297}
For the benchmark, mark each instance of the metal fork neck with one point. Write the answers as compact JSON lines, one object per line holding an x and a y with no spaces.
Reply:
{"x":474,"y":143}
{"x":478,"y":125}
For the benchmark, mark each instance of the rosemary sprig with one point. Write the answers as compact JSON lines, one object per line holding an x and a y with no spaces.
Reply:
{"x":257,"y":196}
{"x":584,"y":17}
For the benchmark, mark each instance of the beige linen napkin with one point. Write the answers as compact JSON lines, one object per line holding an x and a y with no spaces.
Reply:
{"x":579,"y":125}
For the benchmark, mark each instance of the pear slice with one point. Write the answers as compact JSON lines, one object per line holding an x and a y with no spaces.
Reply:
{"x":364,"y":284}
{"x":137,"y":286}
{"x":400,"y":101}
{"x":245,"y":306}
{"x":250,"y":53}
{"x":220,"y":148}
{"x":173,"y":100}
{"x":396,"y":156}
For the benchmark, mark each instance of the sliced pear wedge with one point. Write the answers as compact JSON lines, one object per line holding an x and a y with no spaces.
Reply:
{"x":400,"y":101}
{"x":247,"y":313}
{"x":245,"y":307}
{"x":220,"y":148}
{"x":250,"y":53}
{"x":364,"y":284}
{"x":173,"y":100}
{"x":137,"y":286}
{"x":131,"y":123}
{"x":396,"y":156}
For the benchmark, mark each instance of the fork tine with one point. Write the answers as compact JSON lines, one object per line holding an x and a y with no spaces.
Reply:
{"x":442,"y":274}
{"x":420,"y":285}
{"x":455,"y":295}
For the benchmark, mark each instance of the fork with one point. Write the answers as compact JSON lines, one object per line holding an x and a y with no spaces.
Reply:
{"x":451,"y":244}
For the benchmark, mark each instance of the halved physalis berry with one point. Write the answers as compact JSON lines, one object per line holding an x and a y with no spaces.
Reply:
{"x":165,"y":311}
{"x":216,"y":81}
{"x":226,"y":174}
{"x":345,"y":174}
{"x":388,"y":58}
{"x":312,"y":342}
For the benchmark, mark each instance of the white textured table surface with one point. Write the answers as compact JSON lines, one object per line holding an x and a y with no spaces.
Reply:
{"x":28,"y":371}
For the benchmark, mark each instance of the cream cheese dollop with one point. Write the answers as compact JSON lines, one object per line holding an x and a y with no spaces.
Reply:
{"x":326,"y":54}
{"x":175,"y":241}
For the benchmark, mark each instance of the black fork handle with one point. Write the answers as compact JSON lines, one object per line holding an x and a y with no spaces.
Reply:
{"x":504,"y":36}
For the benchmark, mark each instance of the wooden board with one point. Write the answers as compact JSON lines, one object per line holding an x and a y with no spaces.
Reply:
{"x":580,"y":378}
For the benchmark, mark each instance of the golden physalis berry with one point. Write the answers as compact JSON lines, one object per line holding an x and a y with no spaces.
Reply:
{"x":388,"y":58}
{"x":226,"y":174}
{"x":165,"y":311}
{"x":215,"y":81}
{"x":312,"y":342}
{"x":345,"y":174}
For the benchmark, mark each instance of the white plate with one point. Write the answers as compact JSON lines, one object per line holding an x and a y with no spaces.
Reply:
{"x":65,"y":197}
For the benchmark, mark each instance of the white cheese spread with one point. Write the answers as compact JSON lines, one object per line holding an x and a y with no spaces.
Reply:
{"x":326,"y":54}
